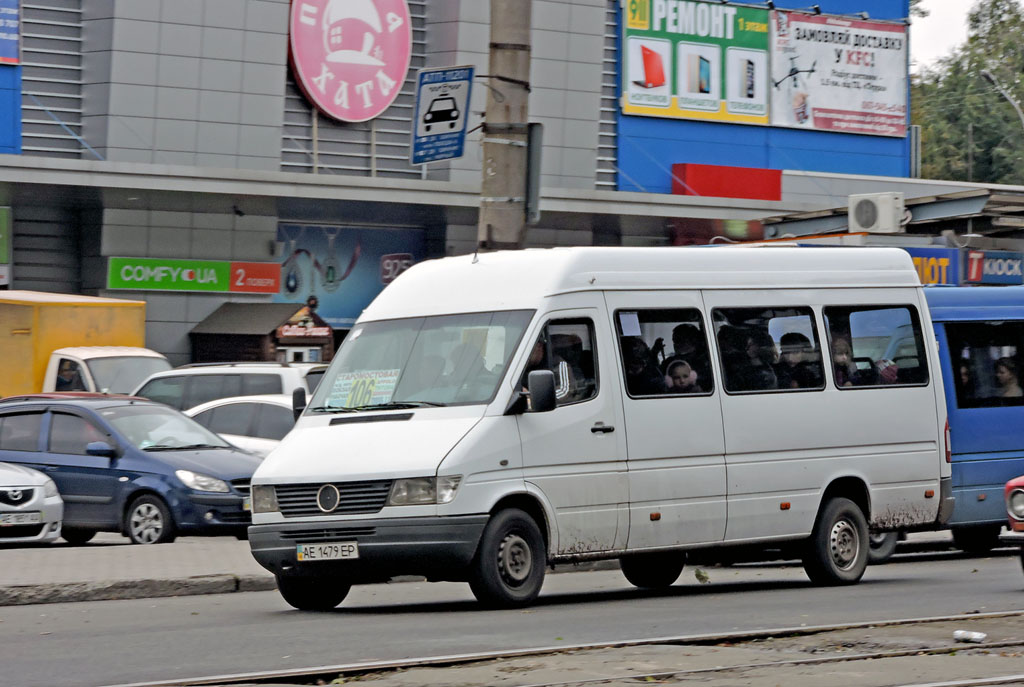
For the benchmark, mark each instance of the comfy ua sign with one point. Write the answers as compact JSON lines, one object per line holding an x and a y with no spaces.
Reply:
{"x":350,"y":57}
{"x":994,"y":267}
{"x":158,"y":274}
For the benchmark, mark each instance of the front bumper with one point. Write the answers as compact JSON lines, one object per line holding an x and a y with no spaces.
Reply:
{"x":438,"y":548}
{"x":212,"y":514}
{"x":48,"y":530}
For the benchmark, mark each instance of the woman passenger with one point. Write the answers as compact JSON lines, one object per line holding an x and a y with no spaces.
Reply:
{"x":1006,"y":375}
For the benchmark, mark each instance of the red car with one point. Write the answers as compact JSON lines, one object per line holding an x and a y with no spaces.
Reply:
{"x":1014,"y":494}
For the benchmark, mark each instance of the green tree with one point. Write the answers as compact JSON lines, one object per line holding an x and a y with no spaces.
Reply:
{"x":916,"y":10}
{"x":968,"y":129}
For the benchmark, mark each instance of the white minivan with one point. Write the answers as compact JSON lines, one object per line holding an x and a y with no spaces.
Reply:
{"x":491,"y":415}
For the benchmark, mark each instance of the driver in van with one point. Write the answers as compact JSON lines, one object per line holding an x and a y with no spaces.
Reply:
{"x":565,"y":381}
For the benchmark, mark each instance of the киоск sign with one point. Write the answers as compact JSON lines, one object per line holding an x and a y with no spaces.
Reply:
{"x":159,"y":274}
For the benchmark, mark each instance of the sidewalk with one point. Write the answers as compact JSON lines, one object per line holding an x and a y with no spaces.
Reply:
{"x":110,"y":568}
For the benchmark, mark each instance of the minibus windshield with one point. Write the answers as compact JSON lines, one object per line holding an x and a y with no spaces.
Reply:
{"x":421,"y":361}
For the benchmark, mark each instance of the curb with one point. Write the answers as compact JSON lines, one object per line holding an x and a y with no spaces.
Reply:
{"x":20,"y":595}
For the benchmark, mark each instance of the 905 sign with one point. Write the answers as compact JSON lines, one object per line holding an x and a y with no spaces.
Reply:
{"x":394,"y":264}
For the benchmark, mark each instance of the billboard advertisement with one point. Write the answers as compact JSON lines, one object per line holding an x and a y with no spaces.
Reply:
{"x":10,"y":32}
{"x":219,"y":276}
{"x":695,"y":60}
{"x":837,"y":74}
{"x":341,"y":269}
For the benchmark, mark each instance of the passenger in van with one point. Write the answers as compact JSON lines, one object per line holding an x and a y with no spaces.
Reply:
{"x":757,"y":371}
{"x":565,"y":381}
{"x":967,"y":389}
{"x":681,"y":378}
{"x":690,"y":346}
{"x":1006,"y":375}
{"x":643,"y":378}
{"x":798,"y":366}
{"x":842,"y":361}
{"x":847,"y":373}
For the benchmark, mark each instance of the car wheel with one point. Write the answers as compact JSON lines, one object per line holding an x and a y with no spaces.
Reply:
{"x":837,"y":552}
{"x":976,"y":538}
{"x":508,"y":569}
{"x":882,"y":546}
{"x":652,"y":570}
{"x":77,"y":537}
{"x":149,"y":521}
{"x":312,"y":593}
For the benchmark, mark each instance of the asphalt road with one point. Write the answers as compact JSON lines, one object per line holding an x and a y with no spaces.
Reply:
{"x":114,"y":642}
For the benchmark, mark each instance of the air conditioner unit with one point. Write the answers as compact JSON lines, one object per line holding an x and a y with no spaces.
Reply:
{"x":878,"y":213}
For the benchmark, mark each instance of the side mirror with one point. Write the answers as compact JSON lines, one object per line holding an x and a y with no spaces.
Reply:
{"x":541,"y":384}
{"x":100,"y":448}
{"x":298,"y":402}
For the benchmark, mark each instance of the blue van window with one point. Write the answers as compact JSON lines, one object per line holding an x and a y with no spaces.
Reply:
{"x":876,"y":346}
{"x":987,"y":358}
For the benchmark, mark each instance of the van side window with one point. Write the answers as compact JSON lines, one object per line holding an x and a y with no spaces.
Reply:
{"x":210,"y":387}
{"x":769,"y":349}
{"x":166,"y":390}
{"x":987,"y":359}
{"x":256,"y":384}
{"x":878,"y":345}
{"x":664,"y":352}
{"x":566,"y":347}
{"x":20,"y":432}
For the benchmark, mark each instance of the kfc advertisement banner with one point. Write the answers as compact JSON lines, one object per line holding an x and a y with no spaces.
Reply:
{"x":837,"y":74}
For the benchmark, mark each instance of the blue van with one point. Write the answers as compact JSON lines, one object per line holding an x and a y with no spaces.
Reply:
{"x":980,"y":332}
{"x":129,"y":465}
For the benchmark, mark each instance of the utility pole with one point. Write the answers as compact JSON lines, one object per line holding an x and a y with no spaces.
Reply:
{"x":503,"y":188}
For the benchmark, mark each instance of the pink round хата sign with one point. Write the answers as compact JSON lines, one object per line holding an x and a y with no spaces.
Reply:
{"x":350,"y":57}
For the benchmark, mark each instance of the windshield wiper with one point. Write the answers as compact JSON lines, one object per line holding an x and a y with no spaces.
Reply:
{"x":400,"y":405}
{"x":185,"y":447}
{"x":331,"y":409}
{"x":189,"y":447}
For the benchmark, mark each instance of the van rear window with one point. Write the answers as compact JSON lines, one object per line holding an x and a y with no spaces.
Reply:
{"x":986,"y":359}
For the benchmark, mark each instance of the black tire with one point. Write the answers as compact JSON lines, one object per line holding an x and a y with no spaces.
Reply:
{"x":508,"y":569}
{"x":312,"y":593}
{"x":837,"y":552}
{"x":148,"y":521}
{"x":76,"y":537}
{"x":976,"y":538}
{"x":653,"y":570}
{"x":882,"y":546}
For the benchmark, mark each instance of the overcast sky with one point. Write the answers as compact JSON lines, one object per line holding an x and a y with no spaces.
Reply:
{"x":937,"y":34}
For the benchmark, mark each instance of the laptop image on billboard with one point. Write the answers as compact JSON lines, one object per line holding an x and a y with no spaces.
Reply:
{"x":654,"y":69}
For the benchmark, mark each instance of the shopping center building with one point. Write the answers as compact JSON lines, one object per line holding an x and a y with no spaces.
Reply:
{"x":195,"y":152}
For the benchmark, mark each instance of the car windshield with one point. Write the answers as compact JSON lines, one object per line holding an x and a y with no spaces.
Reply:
{"x":440,"y":360}
{"x":123,"y":374}
{"x":156,"y":427}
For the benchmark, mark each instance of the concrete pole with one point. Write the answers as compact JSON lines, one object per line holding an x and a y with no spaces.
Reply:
{"x":503,"y":189}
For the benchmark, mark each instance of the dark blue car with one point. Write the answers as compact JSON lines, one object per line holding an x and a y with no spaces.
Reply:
{"x":129,"y":465}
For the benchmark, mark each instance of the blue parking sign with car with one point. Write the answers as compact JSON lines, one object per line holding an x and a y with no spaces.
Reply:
{"x":442,"y":104}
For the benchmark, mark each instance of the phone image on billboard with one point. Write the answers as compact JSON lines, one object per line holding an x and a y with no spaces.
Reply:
{"x":699,"y":72}
{"x":749,"y":90}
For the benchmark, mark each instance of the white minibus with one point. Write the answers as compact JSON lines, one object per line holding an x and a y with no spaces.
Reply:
{"x":491,"y":415}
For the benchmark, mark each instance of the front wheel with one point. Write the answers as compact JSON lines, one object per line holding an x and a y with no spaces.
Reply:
{"x":148,"y":521}
{"x":882,"y":546}
{"x":976,"y":538}
{"x":312,"y":593}
{"x":837,"y":552}
{"x":77,"y":537}
{"x":508,"y":569}
{"x":652,"y":570}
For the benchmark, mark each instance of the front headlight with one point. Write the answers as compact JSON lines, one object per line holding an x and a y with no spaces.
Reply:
{"x":418,"y":491}
{"x":1015,"y":504}
{"x":50,"y":489}
{"x":264,"y":499}
{"x":201,"y":482}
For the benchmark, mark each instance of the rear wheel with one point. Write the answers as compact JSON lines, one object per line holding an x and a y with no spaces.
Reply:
{"x":149,"y":521}
{"x":508,"y":569}
{"x":976,"y":538}
{"x":837,"y":552}
{"x":312,"y":593}
{"x":881,"y":546}
{"x":77,"y":537}
{"x":652,"y":570}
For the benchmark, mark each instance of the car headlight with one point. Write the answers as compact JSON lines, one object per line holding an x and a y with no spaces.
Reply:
{"x":418,"y":491}
{"x":50,"y":489}
{"x":264,"y":499}
{"x":1015,"y":504}
{"x":201,"y":482}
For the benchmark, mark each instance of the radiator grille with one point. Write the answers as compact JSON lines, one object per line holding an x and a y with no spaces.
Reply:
{"x":16,"y":497}
{"x":333,"y":534}
{"x":298,"y":500}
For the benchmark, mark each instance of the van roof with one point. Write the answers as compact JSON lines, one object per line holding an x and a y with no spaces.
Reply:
{"x":965,"y":303}
{"x":513,"y":280}
{"x":33,"y":297}
{"x":85,"y":352}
